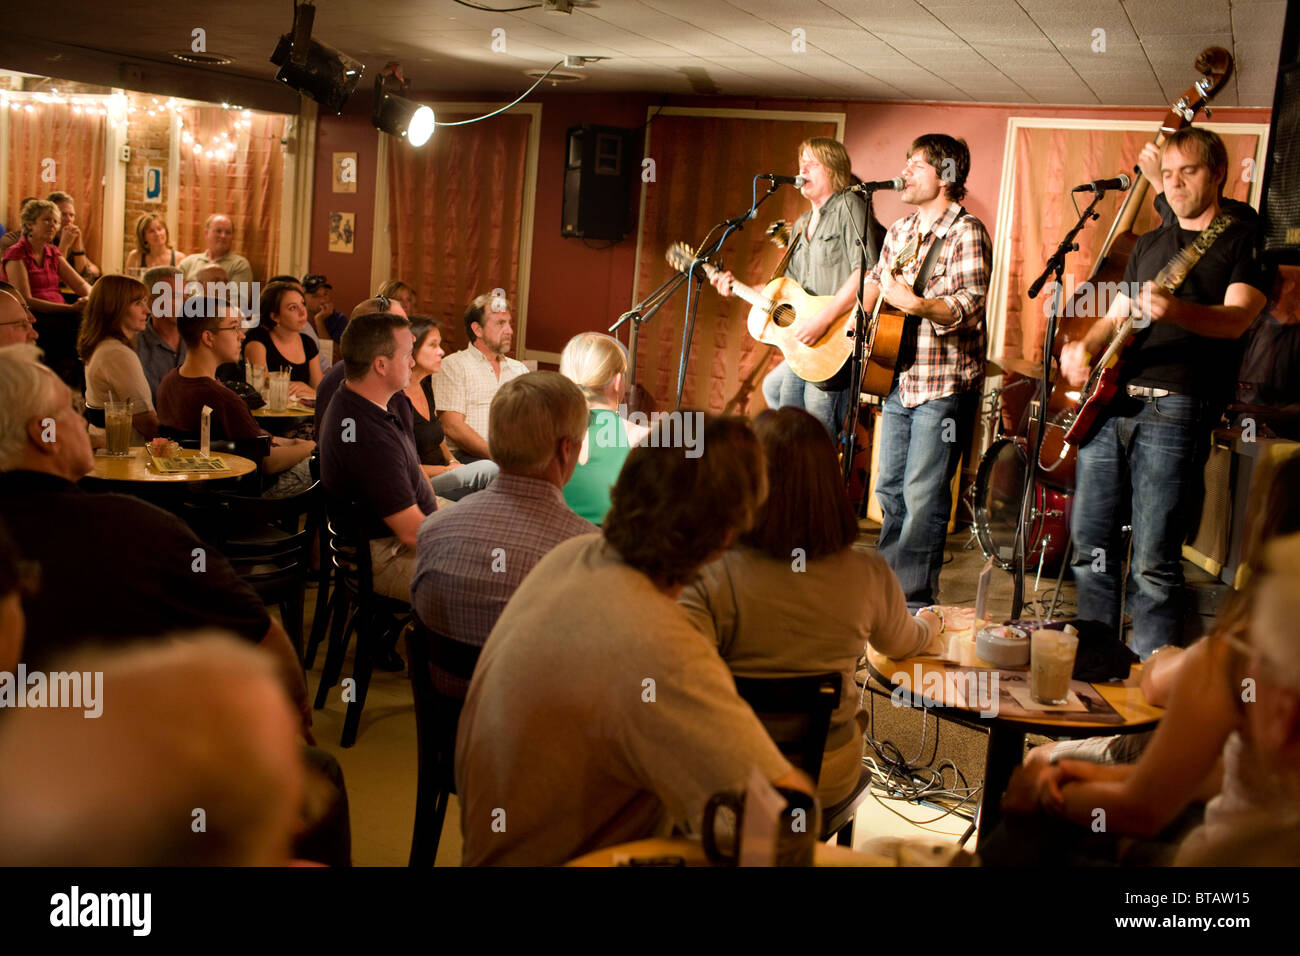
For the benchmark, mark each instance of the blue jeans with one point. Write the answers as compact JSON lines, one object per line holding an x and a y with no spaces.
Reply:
{"x":1150,"y":452}
{"x":920,"y":449}
{"x":782,"y":387}
{"x":465,"y":480}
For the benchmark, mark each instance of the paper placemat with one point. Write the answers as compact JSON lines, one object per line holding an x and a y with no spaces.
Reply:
{"x":1025,"y":699}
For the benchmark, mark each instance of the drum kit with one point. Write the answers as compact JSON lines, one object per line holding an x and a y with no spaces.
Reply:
{"x":1000,"y":482}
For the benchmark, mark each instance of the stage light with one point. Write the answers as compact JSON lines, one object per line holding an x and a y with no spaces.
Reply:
{"x":315,"y":69}
{"x":393,"y":113}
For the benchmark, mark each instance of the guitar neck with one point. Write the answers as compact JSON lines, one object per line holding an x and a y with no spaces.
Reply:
{"x":738,"y":288}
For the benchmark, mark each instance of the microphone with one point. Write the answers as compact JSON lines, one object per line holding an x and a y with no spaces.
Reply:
{"x":783,"y":180}
{"x":896,"y":184}
{"x":1120,"y":182}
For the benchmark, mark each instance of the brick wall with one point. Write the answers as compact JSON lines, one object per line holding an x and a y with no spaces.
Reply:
{"x":149,"y":136}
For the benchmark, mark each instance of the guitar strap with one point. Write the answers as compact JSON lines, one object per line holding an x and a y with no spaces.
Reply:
{"x":907,"y":346}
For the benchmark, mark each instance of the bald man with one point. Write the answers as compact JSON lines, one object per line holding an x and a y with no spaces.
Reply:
{"x":399,"y":404}
{"x":193,"y":761}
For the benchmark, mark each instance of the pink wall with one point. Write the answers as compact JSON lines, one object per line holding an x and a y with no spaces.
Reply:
{"x":575,"y":288}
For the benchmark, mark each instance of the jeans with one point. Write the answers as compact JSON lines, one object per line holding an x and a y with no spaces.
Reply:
{"x":782,"y":388}
{"x":1150,"y":452}
{"x":467,"y":479}
{"x":920,"y":449}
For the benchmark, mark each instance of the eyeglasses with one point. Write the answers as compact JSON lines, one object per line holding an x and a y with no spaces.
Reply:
{"x":26,"y":323}
{"x":228,"y":328}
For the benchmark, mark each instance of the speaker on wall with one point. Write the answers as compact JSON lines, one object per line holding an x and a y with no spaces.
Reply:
{"x":1280,"y":211}
{"x":599,"y":172}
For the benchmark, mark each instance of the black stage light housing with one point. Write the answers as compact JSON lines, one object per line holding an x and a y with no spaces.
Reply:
{"x":316,"y":70}
{"x":393,"y":113}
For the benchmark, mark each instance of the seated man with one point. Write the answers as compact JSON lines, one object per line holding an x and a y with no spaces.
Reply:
{"x":469,"y":378}
{"x":213,"y":338}
{"x":328,"y":321}
{"x":99,"y":554}
{"x":472,"y":557}
{"x":70,"y":240}
{"x":331,"y":380}
{"x":598,"y":714}
{"x":219,"y":235}
{"x":17,"y":324}
{"x":159,"y":345}
{"x":368,"y":453}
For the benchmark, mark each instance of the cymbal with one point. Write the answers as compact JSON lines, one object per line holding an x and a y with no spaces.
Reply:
{"x":991,"y":369}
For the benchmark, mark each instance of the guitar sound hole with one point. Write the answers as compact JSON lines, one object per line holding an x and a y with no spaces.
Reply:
{"x":783,"y":315}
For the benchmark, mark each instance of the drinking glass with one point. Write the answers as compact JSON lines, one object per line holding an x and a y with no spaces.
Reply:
{"x":1051,"y":665}
{"x":117,"y":427}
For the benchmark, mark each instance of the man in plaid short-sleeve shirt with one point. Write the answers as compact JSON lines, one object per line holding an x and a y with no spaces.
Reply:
{"x":930,"y":412}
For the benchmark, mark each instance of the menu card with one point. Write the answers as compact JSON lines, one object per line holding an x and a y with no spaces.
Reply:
{"x":205,"y":432}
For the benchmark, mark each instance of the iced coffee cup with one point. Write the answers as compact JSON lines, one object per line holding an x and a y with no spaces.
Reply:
{"x":1051,"y":664}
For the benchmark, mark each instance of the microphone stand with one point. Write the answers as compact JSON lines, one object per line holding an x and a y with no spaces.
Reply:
{"x":706,"y":251}
{"x":1055,"y":269}
{"x":641,"y":313}
{"x":849,"y":440}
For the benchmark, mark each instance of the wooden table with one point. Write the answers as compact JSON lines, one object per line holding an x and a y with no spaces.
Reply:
{"x":1007,"y":732}
{"x":138,"y":468}
{"x":292,"y":410}
{"x":692,"y":852}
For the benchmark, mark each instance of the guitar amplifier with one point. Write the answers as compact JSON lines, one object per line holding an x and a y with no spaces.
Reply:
{"x":600,"y":169}
{"x":1280,"y":212}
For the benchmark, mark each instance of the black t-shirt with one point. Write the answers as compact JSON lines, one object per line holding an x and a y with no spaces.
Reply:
{"x":115,"y":568}
{"x":275,"y":362}
{"x":428,"y":431}
{"x":368,"y":455}
{"x":1166,"y":355}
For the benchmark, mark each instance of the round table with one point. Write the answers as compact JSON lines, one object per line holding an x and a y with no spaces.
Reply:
{"x":1007,"y":731}
{"x":292,"y":410}
{"x":139,"y":468}
{"x":691,"y":853}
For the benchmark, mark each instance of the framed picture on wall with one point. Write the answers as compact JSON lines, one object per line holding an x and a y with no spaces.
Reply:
{"x":342,"y":231}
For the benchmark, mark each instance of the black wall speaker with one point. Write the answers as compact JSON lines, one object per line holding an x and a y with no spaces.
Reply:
{"x":1280,"y":211}
{"x":600,"y":170}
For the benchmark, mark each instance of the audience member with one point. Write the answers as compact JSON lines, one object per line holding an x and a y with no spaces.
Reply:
{"x":796,"y":597}
{"x":470,"y":378}
{"x":17,"y":578}
{"x":597,"y":363}
{"x":219,"y":234}
{"x":152,"y":246}
{"x":281,"y":343}
{"x":598,"y":714}
{"x":473,"y":557}
{"x":70,"y":238}
{"x":368,"y":453}
{"x":208,"y":276}
{"x":213,"y":337}
{"x":309,"y":328}
{"x":400,"y":292}
{"x":115,"y":314}
{"x":199,"y":723}
{"x":328,"y":321}
{"x":17,"y":324}
{"x":13,"y":235}
{"x":135,"y":570}
{"x":160,"y":345}
{"x":330,"y":382}
{"x":449,"y":478}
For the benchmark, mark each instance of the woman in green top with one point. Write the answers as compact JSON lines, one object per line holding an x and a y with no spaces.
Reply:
{"x":597,"y":364}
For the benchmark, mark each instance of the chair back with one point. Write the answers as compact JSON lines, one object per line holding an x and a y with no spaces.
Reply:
{"x":268,"y":540}
{"x":436,"y":715}
{"x":348,"y":546}
{"x":797,"y":712}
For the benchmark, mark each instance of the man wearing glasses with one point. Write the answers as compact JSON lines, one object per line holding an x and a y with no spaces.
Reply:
{"x":17,"y":324}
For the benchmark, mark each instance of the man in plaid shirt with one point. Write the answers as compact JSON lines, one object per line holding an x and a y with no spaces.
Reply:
{"x":930,"y":412}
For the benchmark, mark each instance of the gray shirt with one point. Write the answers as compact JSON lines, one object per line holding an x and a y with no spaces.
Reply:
{"x":822,"y":263}
{"x":157,"y":358}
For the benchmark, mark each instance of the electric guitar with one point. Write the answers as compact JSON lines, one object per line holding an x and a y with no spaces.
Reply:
{"x":783,"y":302}
{"x":1076,"y":425}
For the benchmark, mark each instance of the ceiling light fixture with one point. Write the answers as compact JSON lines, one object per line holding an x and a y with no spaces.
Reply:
{"x":394,"y":113}
{"x":316,"y":70}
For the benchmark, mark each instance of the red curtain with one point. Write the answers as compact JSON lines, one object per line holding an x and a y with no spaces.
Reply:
{"x":455,"y":209}
{"x":1048,"y":163}
{"x":237,"y":169}
{"x":703,"y":171}
{"x":73,"y":138}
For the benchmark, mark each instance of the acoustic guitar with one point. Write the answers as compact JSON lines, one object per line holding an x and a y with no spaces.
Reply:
{"x":783,"y":302}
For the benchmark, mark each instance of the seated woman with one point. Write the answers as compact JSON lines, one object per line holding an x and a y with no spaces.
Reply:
{"x":597,"y":364}
{"x":399,"y":291}
{"x":34,"y":266}
{"x":116,"y":313}
{"x":795,"y":596}
{"x":152,"y":246}
{"x":450,"y":479}
{"x":281,"y":342}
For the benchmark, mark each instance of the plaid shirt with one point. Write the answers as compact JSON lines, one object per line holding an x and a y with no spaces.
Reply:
{"x":949,"y":359}
{"x":473,"y":556}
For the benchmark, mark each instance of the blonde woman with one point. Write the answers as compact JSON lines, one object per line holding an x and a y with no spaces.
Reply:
{"x":399,"y":291}
{"x":116,"y":313}
{"x":598,"y":364}
{"x":153,"y":248}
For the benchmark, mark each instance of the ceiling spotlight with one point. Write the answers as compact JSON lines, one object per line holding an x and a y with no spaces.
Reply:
{"x":316,"y":70}
{"x":393,"y":113}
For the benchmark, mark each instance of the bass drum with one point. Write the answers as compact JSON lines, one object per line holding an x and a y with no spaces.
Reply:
{"x":998,"y":486}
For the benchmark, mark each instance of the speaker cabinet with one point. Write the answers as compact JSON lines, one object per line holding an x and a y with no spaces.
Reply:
{"x":599,"y":172}
{"x":1280,"y":212}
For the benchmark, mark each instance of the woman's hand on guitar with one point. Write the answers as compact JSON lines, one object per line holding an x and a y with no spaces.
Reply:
{"x":722,"y":282}
{"x":1075,"y":365}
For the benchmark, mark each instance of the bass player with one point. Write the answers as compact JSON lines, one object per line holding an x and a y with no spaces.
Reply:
{"x":1146,"y":455}
{"x":823,"y":258}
